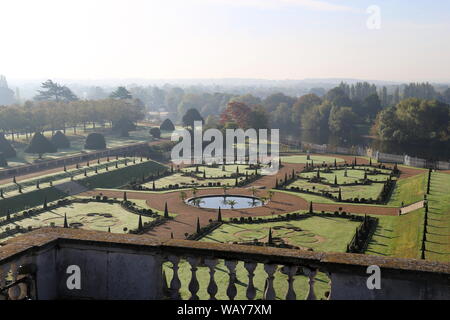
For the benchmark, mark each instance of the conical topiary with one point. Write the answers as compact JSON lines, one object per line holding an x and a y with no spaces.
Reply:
{"x":60,"y":140}
{"x":198,"y":225}
{"x":166,"y":211}
{"x":219,"y":216}
{"x":40,"y":145}
{"x":66,"y":224}
{"x":6,"y":148}
{"x":140,"y":226}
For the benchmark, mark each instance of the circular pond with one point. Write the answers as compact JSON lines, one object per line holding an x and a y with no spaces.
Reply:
{"x":225,"y":202}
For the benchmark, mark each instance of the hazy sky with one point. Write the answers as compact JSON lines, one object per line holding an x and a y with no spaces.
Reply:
{"x":272,"y":39}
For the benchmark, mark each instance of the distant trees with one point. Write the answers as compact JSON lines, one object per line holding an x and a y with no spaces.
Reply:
{"x":95,"y":141}
{"x":52,"y":91}
{"x":51,"y":115}
{"x":39,"y":144}
{"x":370,"y":107}
{"x":413,"y":121}
{"x":446,"y":96}
{"x":342,"y":120}
{"x":236,"y":113}
{"x":303,"y":104}
{"x":420,"y":90}
{"x":121,"y":93}
{"x":60,"y":141}
{"x":274,"y":100}
{"x":167,"y":125}
{"x":316,"y":118}
{"x":6,"y":94}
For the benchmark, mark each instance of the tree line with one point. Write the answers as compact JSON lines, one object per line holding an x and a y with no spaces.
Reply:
{"x":37,"y":116}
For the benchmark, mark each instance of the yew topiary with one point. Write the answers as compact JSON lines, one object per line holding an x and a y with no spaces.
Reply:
{"x":95,"y":141}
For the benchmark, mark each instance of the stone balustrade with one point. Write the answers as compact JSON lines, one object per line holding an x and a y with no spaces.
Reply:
{"x":119,"y":266}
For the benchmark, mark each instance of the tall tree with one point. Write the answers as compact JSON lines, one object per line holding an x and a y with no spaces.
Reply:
{"x":121,"y":93}
{"x":52,"y":91}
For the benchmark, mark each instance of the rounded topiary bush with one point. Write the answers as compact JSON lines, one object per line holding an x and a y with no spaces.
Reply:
{"x":95,"y":141}
{"x":155,"y":132}
{"x":60,"y":140}
{"x":167,"y":125}
{"x":6,"y":148}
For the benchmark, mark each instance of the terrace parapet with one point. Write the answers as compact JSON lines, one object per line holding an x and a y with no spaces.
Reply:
{"x":119,"y":266}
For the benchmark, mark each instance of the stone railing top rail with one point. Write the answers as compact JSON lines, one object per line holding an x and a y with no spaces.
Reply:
{"x":89,"y":153}
{"x":33,"y":242}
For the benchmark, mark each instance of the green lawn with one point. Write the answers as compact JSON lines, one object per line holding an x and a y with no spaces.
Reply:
{"x":316,"y":159}
{"x":326,"y":234}
{"x":348,"y":192}
{"x":353,"y":175}
{"x":28,"y":185}
{"x":184,"y":181}
{"x":30,"y":200}
{"x":119,"y":178}
{"x":438,"y":236}
{"x":409,"y":190}
{"x":398,"y":236}
{"x":90,"y":215}
{"x":199,"y":181}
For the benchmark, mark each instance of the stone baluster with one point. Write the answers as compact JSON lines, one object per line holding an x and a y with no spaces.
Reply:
{"x":4,"y":270}
{"x":231,"y":290}
{"x":251,"y":290}
{"x":330,"y":284}
{"x":290,"y":271}
{"x":14,"y":292}
{"x":194,"y":285}
{"x":175,"y":283}
{"x":212,"y":286}
{"x":269,"y":293}
{"x":311,"y":274}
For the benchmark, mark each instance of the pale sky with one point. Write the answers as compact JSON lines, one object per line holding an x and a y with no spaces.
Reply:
{"x":270,"y":39}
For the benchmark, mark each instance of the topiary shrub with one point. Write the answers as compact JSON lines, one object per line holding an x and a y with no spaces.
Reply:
{"x":155,"y":132}
{"x":167,"y":125}
{"x":60,"y":140}
{"x":95,"y":141}
{"x":6,"y":148}
{"x":40,"y":145}
{"x":124,"y":126}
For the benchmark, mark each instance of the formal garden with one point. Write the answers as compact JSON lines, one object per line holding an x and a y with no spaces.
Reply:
{"x":349,"y":183}
{"x":202,"y":176}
